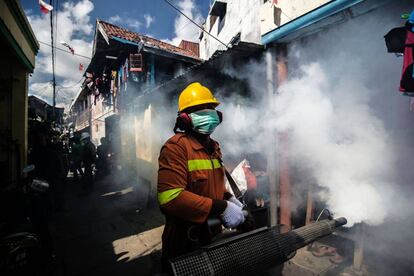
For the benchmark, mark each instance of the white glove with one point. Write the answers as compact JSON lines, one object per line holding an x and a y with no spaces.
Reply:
{"x":232,"y":216}
{"x":236,"y":201}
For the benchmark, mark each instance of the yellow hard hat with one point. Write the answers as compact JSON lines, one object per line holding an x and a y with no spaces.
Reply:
{"x":195,"y":94}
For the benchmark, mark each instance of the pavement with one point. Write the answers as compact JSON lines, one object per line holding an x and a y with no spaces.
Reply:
{"x":107,"y":232}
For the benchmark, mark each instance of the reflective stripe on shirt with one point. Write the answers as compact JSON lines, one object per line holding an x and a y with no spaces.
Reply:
{"x":168,"y":195}
{"x":203,"y":164}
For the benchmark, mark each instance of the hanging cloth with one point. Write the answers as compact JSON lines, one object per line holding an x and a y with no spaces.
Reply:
{"x":407,"y":78}
{"x":126,"y":69}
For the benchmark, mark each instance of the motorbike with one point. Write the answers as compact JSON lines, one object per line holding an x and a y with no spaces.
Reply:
{"x":23,"y":225}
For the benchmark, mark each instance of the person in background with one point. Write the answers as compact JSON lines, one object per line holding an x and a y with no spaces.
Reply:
{"x":88,"y":159}
{"x":76,"y":157}
{"x":102,"y":162}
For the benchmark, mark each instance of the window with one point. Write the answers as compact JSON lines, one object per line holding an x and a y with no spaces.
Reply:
{"x":219,"y":10}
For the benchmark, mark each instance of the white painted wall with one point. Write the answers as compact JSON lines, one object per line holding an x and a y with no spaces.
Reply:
{"x":241,"y":16}
{"x":295,"y":8}
{"x":100,"y":111}
{"x":289,"y":10}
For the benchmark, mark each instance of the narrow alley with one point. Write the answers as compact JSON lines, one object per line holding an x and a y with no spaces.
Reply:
{"x":206,"y":138}
{"x":113,"y":218}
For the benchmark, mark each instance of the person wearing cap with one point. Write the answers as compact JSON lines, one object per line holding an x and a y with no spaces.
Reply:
{"x":191,"y":186}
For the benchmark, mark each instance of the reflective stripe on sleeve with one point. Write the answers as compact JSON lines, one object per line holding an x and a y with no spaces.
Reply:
{"x":168,"y":195}
{"x":203,"y":164}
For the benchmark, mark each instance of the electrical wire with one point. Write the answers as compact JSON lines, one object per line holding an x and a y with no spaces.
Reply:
{"x":72,"y":86}
{"x":63,"y":50}
{"x":201,"y":28}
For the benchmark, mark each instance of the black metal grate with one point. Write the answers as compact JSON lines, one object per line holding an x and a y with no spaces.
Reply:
{"x":250,"y":252}
{"x":240,"y":257}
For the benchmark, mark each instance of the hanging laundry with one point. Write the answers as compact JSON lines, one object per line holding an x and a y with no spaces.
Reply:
{"x":105,"y":88}
{"x":45,"y":8}
{"x":402,"y":40}
{"x":126,"y":68}
{"x":407,"y":78}
{"x":121,"y":74}
{"x":119,"y":81}
{"x":395,"y":40}
{"x":113,"y":82}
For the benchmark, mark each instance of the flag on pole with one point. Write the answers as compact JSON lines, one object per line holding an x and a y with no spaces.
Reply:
{"x":80,"y":67}
{"x":45,"y":8}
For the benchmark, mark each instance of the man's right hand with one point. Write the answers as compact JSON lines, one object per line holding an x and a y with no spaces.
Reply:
{"x":232,"y":216}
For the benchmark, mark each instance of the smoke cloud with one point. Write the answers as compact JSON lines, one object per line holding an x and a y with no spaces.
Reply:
{"x":339,"y":109}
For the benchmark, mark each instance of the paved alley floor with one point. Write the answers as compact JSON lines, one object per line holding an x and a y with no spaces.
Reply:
{"x":108,"y":232}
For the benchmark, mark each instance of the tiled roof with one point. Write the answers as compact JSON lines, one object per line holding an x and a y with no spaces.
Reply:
{"x":115,"y":31}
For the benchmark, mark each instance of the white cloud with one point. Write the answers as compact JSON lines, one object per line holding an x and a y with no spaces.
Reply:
{"x":115,"y":19}
{"x":126,"y":22}
{"x":134,"y":24}
{"x":148,"y":20}
{"x":74,"y":26}
{"x":183,"y":28}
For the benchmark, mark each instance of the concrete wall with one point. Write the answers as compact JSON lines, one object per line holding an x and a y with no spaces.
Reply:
{"x":27,"y":46}
{"x":99,"y":112}
{"x":241,"y":17}
{"x":14,"y":109}
{"x":274,"y":15}
{"x":18,"y":48}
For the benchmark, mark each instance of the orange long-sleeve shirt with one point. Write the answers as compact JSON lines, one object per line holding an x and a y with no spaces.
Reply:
{"x":189,"y":178}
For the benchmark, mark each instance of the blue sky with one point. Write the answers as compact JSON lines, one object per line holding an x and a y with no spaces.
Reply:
{"x":76,"y":23}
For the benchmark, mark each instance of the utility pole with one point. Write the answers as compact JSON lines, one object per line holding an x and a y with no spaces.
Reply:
{"x":272,"y":154}
{"x":53,"y":62}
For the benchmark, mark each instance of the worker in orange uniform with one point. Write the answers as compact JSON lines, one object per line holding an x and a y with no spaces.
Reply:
{"x":191,"y":185}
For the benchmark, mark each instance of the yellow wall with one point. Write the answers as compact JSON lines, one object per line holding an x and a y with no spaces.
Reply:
{"x":14,"y":105}
{"x":10,"y":22}
{"x":18,"y":48}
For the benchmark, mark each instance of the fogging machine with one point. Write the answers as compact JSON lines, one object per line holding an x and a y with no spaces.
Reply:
{"x":251,"y":252}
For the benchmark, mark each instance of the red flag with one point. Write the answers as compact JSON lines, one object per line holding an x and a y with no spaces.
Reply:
{"x":80,"y":67}
{"x":45,"y":8}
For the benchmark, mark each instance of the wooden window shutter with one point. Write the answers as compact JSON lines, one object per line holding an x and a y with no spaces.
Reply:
{"x":136,"y":63}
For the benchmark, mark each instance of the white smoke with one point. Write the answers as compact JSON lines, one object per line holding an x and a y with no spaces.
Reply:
{"x":338,"y":107}
{"x":343,"y":143}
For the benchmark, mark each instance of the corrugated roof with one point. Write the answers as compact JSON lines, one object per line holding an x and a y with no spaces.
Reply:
{"x":115,"y":31}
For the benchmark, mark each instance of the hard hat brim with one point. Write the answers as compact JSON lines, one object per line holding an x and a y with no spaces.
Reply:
{"x":200,"y":102}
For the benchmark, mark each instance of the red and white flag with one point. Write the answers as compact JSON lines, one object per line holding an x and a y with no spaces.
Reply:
{"x":45,"y":8}
{"x":80,"y":67}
